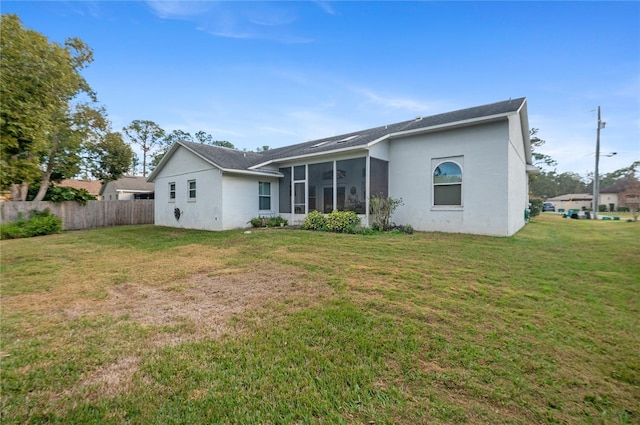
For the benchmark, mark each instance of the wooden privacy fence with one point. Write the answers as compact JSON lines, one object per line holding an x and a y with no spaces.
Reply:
{"x":76,"y":216}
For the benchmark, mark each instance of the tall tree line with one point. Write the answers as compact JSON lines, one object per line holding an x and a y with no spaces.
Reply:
{"x":51,"y":124}
{"x":550,"y":183}
{"x":154,"y":142}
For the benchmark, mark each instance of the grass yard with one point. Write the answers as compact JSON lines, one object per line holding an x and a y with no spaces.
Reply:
{"x":155,"y":325}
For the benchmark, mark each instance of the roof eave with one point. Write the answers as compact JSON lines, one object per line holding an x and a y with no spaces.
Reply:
{"x":171,"y":152}
{"x":526,"y":132}
{"x":311,"y":155}
{"x":440,"y":127}
{"x":252,"y":172}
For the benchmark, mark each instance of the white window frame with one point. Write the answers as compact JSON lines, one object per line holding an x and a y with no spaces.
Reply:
{"x":190,"y":190}
{"x":172,"y":191}
{"x":263,"y":196}
{"x":435,"y":164}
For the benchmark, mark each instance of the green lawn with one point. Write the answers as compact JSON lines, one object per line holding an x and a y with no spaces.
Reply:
{"x":155,"y":325}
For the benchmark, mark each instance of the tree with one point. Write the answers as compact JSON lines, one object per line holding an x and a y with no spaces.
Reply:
{"x":540,"y":159}
{"x":550,"y":184}
{"x":630,"y":172}
{"x":109,"y":157}
{"x":167,"y":142}
{"x":43,"y":101}
{"x":207,"y":139}
{"x":147,"y":135}
{"x":134,"y":165}
{"x":204,"y":138}
{"x":630,"y":197}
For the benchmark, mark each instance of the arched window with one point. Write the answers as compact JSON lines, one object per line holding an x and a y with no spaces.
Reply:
{"x":447,"y":184}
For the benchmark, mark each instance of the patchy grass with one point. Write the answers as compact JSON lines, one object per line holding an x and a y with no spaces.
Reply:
{"x":156,"y":325}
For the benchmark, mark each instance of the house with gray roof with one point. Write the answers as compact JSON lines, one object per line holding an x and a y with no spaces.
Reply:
{"x":127,"y":188}
{"x":463,"y":171}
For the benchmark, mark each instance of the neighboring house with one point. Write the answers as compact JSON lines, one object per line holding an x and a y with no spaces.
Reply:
{"x":463,"y":171}
{"x":127,"y":188}
{"x":609,"y":196}
{"x":580,"y":201}
{"x":91,"y":186}
{"x":584,"y":201}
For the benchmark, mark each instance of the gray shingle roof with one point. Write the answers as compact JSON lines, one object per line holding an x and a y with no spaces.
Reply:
{"x":363,"y":137}
{"x":225,"y":157}
{"x":133,"y":183}
{"x":232,"y":159}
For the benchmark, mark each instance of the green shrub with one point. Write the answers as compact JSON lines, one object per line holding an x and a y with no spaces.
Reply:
{"x":315,"y":220}
{"x":382,"y":208}
{"x":57,"y":194}
{"x":258,"y":222}
{"x":535,"y":206}
{"x":276,"y":222}
{"x":602,"y":208}
{"x":343,"y":221}
{"x":268,"y":222}
{"x":39,"y":223}
{"x":406,"y":228}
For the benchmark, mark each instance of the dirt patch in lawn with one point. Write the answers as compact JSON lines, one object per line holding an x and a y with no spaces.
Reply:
{"x":201,"y":305}
{"x":195,"y":308}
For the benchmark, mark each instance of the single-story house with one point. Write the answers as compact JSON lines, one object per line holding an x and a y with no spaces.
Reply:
{"x":464,"y":171}
{"x":610,"y":195}
{"x":580,"y":201}
{"x":609,"y":198}
{"x":127,"y":188}
{"x":91,"y":186}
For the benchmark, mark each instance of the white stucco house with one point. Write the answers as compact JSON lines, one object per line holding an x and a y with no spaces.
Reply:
{"x":464,"y":171}
{"x":127,"y":188}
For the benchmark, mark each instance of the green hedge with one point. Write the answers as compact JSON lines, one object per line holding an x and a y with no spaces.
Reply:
{"x":535,"y":206}
{"x":39,"y":223}
{"x":315,"y":220}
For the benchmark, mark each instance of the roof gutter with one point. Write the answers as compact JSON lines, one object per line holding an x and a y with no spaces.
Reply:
{"x":316,"y":154}
{"x":252,"y":173}
{"x":436,"y":128}
{"x":396,"y":135}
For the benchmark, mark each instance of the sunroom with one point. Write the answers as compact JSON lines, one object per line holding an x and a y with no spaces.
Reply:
{"x":342,"y":184}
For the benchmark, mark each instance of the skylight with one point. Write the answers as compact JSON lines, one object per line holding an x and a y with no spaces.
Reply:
{"x":346,"y":139}
{"x":317,"y":145}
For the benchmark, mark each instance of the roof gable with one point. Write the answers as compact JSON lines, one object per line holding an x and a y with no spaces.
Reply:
{"x":129,"y":184}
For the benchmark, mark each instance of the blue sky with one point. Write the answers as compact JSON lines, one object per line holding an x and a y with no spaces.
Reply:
{"x":278,"y":73}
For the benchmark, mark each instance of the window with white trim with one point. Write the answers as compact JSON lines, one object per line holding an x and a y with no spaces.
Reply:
{"x":264,"y":196}
{"x":192,"y":190}
{"x":172,"y":192}
{"x":447,"y":184}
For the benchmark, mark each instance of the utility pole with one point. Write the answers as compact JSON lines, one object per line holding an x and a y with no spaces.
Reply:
{"x":596,"y":177}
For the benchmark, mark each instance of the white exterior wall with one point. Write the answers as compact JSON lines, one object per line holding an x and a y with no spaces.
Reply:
{"x":206,"y":211}
{"x":109,"y":193}
{"x":518,"y":179}
{"x":485,"y":188}
{"x":240,"y":197}
{"x":380,"y":150}
{"x":609,"y":198}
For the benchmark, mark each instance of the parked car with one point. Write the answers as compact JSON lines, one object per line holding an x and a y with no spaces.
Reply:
{"x":548,"y":206}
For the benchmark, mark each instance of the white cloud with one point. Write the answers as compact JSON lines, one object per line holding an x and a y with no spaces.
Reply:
{"x":326,"y":6}
{"x":239,"y":20}
{"x":179,"y":9}
{"x":395,"y":102}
